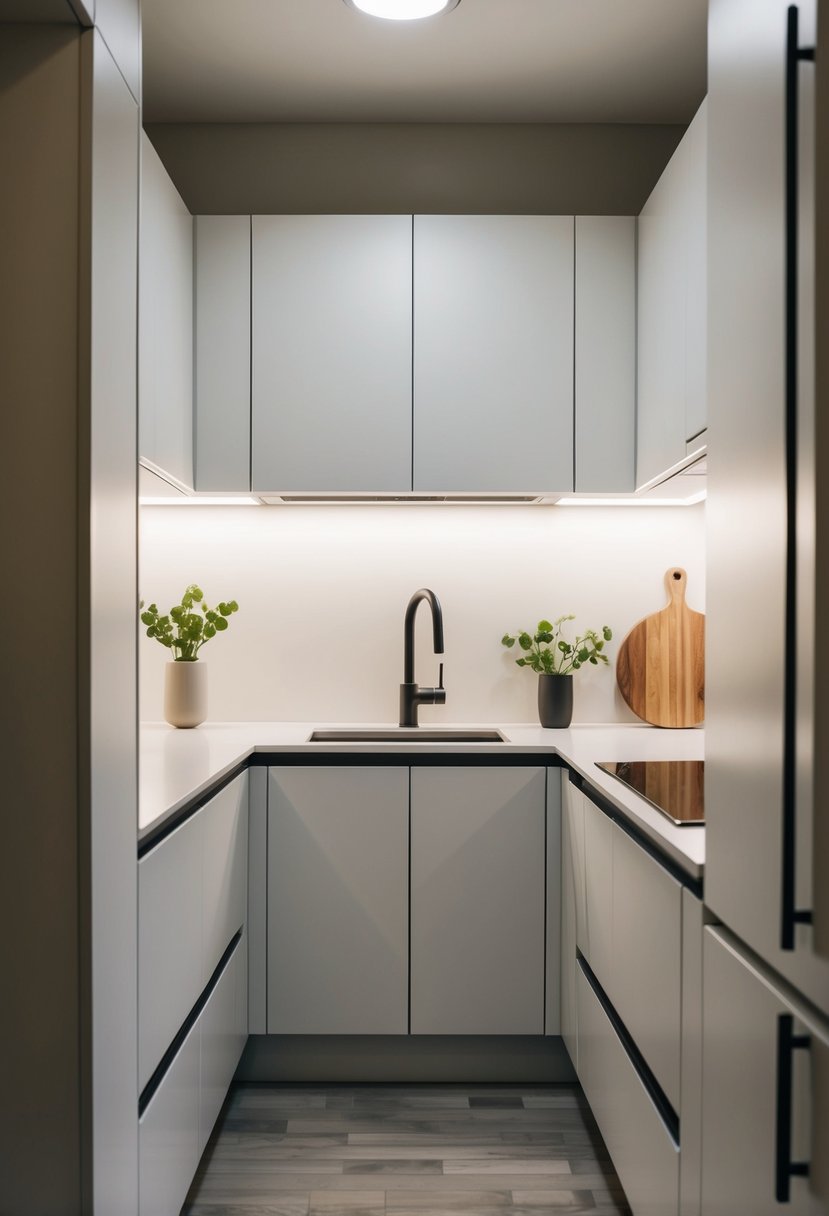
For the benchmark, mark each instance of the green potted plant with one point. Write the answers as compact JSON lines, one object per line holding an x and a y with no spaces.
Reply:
{"x":555,"y":660}
{"x":187,"y":627}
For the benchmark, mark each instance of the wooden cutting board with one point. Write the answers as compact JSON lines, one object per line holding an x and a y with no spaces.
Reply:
{"x":660,"y":668}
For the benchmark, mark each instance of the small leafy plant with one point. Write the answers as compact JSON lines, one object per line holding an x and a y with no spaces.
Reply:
{"x":185,"y":629}
{"x":548,"y":653}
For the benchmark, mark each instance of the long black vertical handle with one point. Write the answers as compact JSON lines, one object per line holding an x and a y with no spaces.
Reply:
{"x":790,"y":914}
{"x":784,"y":1168}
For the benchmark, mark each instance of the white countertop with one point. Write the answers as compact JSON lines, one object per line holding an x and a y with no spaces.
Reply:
{"x":176,"y":766}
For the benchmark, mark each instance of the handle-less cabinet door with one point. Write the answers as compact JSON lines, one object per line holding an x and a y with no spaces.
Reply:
{"x":596,"y":941}
{"x":750,"y":1131}
{"x":338,"y":900}
{"x":225,"y":871}
{"x":569,"y":1024}
{"x":605,"y":353}
{"x":645,"y":980}
{"x":671,"y":305}
{"x":221,"y":356}
{"x":477,"y":900}
{"x":165,"y":322}
{"x":493,"y":353}
{"x":332,"y":353}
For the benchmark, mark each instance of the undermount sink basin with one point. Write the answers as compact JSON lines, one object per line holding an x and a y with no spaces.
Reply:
{"x":407,"y":734}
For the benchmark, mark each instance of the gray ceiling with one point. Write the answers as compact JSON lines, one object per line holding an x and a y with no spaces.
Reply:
{"x":536,"y":61}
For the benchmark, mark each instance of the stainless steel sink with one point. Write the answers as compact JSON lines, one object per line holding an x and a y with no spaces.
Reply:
{"x":403,"y":734}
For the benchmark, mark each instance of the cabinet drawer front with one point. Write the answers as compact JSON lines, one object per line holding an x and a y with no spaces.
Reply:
{"x":338,"y":900}
{"x":169,"y":941}
{"x":223,"y":1034}
{"x":644,"y":1154}
{"x":645,"y":983}
{"x":596,"y":938}
{"x":477,"y":941}
{"x":168,"y":1149}
{"x":225,"y":870}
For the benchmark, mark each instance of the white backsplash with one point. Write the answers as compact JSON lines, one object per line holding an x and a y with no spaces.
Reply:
{"x":323,"y":590}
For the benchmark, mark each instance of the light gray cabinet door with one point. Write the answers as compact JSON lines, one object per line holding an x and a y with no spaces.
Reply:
{"x":477,"y":900}
{"x":221,"y":356}
{"x":641,"y":1147}
{"x":645,"y":980}
{"x":597,"y":941}
{"x":605,"y":356}
{"x":168,"y":1134}
{"x":169,"y":941}
{"x":569,"y":1023}
{"x":493,"y":353}
{"x":338,"y":900}
{"x":165,"y":322}
{"x":660,"y":423}
{"x":742,"y":1008}
{"x":332,"y":353}
{"x":696,"y":276}
{"x":224,"y":871}
{"x":672,"y":308}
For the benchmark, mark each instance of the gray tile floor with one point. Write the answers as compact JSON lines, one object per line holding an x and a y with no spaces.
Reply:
{"x":405,"y":1150}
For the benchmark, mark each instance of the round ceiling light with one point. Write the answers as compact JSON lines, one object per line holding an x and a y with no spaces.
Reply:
{"x":402,"y":10}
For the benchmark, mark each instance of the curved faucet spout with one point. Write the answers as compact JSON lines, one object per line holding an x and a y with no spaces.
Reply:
{"x":411,"y":694}
{"x":437,"y":629}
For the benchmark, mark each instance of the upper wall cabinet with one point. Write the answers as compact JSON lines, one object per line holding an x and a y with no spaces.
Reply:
{"x":222,"y":352}
{"x":671,"y":404}
{"x":165,"y":323}
{"x":605,"y":353}
{"x":493,"y":353}
{"x":435,"y":354}
{"x":332,"y":353}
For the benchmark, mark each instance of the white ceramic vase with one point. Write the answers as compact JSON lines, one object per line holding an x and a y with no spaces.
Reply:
{"x":185,"y":693}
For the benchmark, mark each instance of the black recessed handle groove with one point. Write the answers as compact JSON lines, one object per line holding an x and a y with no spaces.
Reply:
{"x":791,"y":915}
{"x":784,"y":1168}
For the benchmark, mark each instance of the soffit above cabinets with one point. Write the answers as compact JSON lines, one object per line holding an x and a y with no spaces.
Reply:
{"x":538,"y":61}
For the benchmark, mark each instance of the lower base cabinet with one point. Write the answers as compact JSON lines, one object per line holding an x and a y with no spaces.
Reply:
{"x":337,"y":914}
{"x":176,"y":1125}
{"x":644,"y":1153}
{"x":478,"y":874}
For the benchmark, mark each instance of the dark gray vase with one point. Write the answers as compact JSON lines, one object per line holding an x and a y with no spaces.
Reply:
{"x":555,"y":700}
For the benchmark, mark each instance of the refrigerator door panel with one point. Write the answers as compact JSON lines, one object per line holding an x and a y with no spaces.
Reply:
{"x":747,"y":659}
{"x":762,"y":1052}
{"x":821,"y":771}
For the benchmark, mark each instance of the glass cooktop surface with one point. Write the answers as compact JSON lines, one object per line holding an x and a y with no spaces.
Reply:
{"x":674,"y":787}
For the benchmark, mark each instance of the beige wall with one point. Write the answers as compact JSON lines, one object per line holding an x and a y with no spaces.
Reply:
{"x":566,"y":169}
{"x":322,"y":592}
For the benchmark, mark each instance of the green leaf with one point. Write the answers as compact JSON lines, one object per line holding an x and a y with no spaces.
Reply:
{"x":544,"y":638}
{"x":508,"y":641}
{"x":608,"y":633}
{"x":234,"y":607}
{"x":525,"y":641}
{"x":521,"y":662}
{"x":544,"y":627}
{"x":220,"y":623}
{"x":210,"y":631}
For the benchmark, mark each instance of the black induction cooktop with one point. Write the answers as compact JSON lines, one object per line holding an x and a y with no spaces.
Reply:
{"x":674,"y":787}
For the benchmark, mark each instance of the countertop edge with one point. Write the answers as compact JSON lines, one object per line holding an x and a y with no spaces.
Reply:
{"x":642,"y":818}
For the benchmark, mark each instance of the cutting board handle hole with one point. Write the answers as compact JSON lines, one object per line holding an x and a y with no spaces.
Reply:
{"x":677,"y":575}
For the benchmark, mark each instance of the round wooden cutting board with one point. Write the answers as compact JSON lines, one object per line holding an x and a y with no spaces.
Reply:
{"x":660,"y":668}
